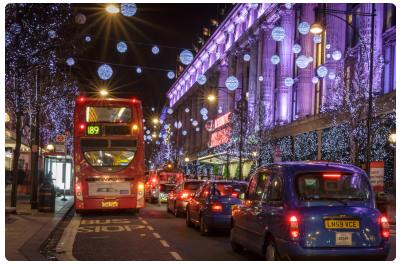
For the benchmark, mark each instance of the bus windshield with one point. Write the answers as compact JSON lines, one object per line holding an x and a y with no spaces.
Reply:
{"x":99,"y":114}
{"x":109,"y":158}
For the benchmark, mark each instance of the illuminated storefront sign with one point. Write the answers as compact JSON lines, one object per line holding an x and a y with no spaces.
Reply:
{"x":220,"y":137}
{"x":219,"y":122}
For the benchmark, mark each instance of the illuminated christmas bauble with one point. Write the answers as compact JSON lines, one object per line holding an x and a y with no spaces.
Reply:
{"x":275,"y":59}
{"x":138,"y":70}
{"x":122,"y":47}
{"x":315,"y":80}
{"x":178,"y":124}
{"x":153,"y":109}
{"x":328,"y":55}
{"x":197,"y":129}
{"x":205,"y":117}
{"x":171,"y":75}
{"x":88,"y":39}
{"x":260,"y":78}
{"x":184,"y":132}
{"x":219,"y":109}
{"x":322,"y":71}
{"x":80,"y":19}
{"x":296,"y":48}
{"x":170,"y":111}
{"x":232,"y":83}
{"x":337,"y":55}
{"x":288,"y":6}
{"x":186,"y":57}
{"x":148,"y":132}
{"x":331,"y":75}
{"x":317,"y":39}
{"x":246,"y":57}
{"x":187,"y":110}
{"x":105,"y":72}
{"x":128,"y":9}
{"x":310,"y":59}
{"x":203,"y":111}
{"x":70,"y":61}
{"x":155,"y":50}
{"x":195,"y":123}
{"x":289,"y":81}
{"x":304,"y":28}
{"x":328,"y":46}
{"x":302,"y":61}
{"x":202,"y":79}
{"x":278,"y":33}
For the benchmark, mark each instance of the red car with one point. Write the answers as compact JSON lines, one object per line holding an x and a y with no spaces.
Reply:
{"x":178,"y":198}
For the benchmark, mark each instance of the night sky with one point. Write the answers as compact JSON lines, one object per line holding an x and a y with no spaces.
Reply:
{"x":167,"y":25}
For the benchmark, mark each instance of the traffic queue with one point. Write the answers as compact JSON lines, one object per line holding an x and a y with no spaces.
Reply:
{"x":311,"y":210}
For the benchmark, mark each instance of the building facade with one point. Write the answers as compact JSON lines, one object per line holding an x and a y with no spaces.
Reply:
{"x":265,"y":88}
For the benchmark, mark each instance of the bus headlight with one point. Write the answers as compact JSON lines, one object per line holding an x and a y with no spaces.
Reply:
{"x":140,"y":186}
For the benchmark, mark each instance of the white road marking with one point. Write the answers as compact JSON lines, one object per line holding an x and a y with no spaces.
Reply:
{"x":175,"y":255}
{"x":142,"y":235}
{"x":156,"y":235}
{"x":67,"y":240}
{"x":150,"y":228}
{"x":164,"y":243}
{"x":144,"y":222}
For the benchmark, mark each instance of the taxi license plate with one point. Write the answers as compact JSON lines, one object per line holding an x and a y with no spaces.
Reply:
{"x":342,"y":224}
{"x":108,"y":204}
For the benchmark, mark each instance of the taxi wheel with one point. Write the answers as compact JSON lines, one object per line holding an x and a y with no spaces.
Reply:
{"x":204,"y":231}
{"x":271,"y":252}
{"x":188,"y":221}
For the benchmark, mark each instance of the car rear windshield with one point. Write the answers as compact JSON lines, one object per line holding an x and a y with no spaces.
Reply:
{"x":166,"y":188}
{"x":192,"y":186}
{"x":332,"y":186}
{"x":229,"y":189}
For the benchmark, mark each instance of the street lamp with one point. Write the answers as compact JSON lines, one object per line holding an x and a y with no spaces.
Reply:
{"x":187,"y":159}
{"x":254,"y":154}
{"x":318,"y":28}
{"x":112,"y":9}
{"x":155,"y":120}
{"x":50,"y":147}
{"x":392,"y":136}
{"x":211,"y":98}
{"x":103,"y":92}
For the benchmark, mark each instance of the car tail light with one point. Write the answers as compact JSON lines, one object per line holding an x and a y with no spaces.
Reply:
{"x":134,"y":100}
{"x":184,"y":195}
{"x":385,"y":227}
{"x":216,"y":207}
{"x":331,"y":176}
{"x":294,"y":226}
{"x":234,"y":194}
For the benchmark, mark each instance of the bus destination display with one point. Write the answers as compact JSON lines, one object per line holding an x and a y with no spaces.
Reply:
{"x":93,"y":130}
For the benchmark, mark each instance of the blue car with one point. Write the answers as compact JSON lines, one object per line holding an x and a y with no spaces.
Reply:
{"x":210,"y":208}
{"x":310,"y":211}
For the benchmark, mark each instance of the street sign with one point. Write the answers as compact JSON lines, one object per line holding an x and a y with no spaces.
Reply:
{"x":60,"y":138}
{"x":376,"y":175}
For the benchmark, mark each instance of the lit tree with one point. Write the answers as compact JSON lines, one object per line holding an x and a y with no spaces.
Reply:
{"x":347,"y":103}
{"x":38,"y":85}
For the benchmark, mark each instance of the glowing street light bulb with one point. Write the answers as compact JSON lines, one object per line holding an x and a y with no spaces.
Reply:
{"x":187,"y":159}
{"x":112,"y":9}
{"x":50,"y":147}
{"x":154,"y":135}
{"x":103,"y":92}
{"x":211,"y":98}
{"x":155,"y":120}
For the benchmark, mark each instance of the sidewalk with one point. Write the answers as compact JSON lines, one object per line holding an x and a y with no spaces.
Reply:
{"x":28,"y":229}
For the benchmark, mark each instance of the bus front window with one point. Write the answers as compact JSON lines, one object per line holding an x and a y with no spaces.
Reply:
{"x":109,"y":158}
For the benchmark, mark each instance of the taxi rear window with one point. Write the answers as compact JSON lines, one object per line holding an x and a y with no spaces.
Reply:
{"x":332,"y":186}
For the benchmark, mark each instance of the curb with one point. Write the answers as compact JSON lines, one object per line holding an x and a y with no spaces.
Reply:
{"x":31,"y":248}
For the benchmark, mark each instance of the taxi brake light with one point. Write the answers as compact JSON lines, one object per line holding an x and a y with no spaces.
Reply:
{"x":184,"y":195}
{"x":216,"y":207}
{"x":294,"y":226}
{"x":385,"y":227}
{"x":331,"y":176}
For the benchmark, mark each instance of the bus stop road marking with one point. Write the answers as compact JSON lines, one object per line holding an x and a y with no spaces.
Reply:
{"x":150,"y":228}
{"x":164,"y":243}
{"x":156,"y":235}
{"x":142,"y":235}
{"x":145,"y":222}
{"x":176,"y":255}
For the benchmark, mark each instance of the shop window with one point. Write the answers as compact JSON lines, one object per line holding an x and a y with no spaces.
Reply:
{"x":389,"y":70}
{"x":390,"y":16}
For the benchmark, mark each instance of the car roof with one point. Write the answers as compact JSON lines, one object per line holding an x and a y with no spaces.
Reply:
{"x":299,"y":166}
{"x":227,"y":181}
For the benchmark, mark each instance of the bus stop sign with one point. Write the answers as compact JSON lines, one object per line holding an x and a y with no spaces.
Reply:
{"x":60,"y":138}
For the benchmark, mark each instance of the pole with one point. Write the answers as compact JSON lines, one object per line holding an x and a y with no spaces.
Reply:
{"x":65,"y":168}
{"x":35,"y":149}
{"x":371,"y":78}
{"x":241,"y":132}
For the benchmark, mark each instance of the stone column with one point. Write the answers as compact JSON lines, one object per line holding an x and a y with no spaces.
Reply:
{"x":285,"y":69}
{"x":239,"y":76}
{"x":252,"y":82}
{"x":222,"y":91}
{"x":337,"y":39}
{"x":305,"y":88}
{"x":268,"y":73}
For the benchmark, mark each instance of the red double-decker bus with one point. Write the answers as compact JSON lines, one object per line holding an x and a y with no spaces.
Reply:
{"x":108,"y":154}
